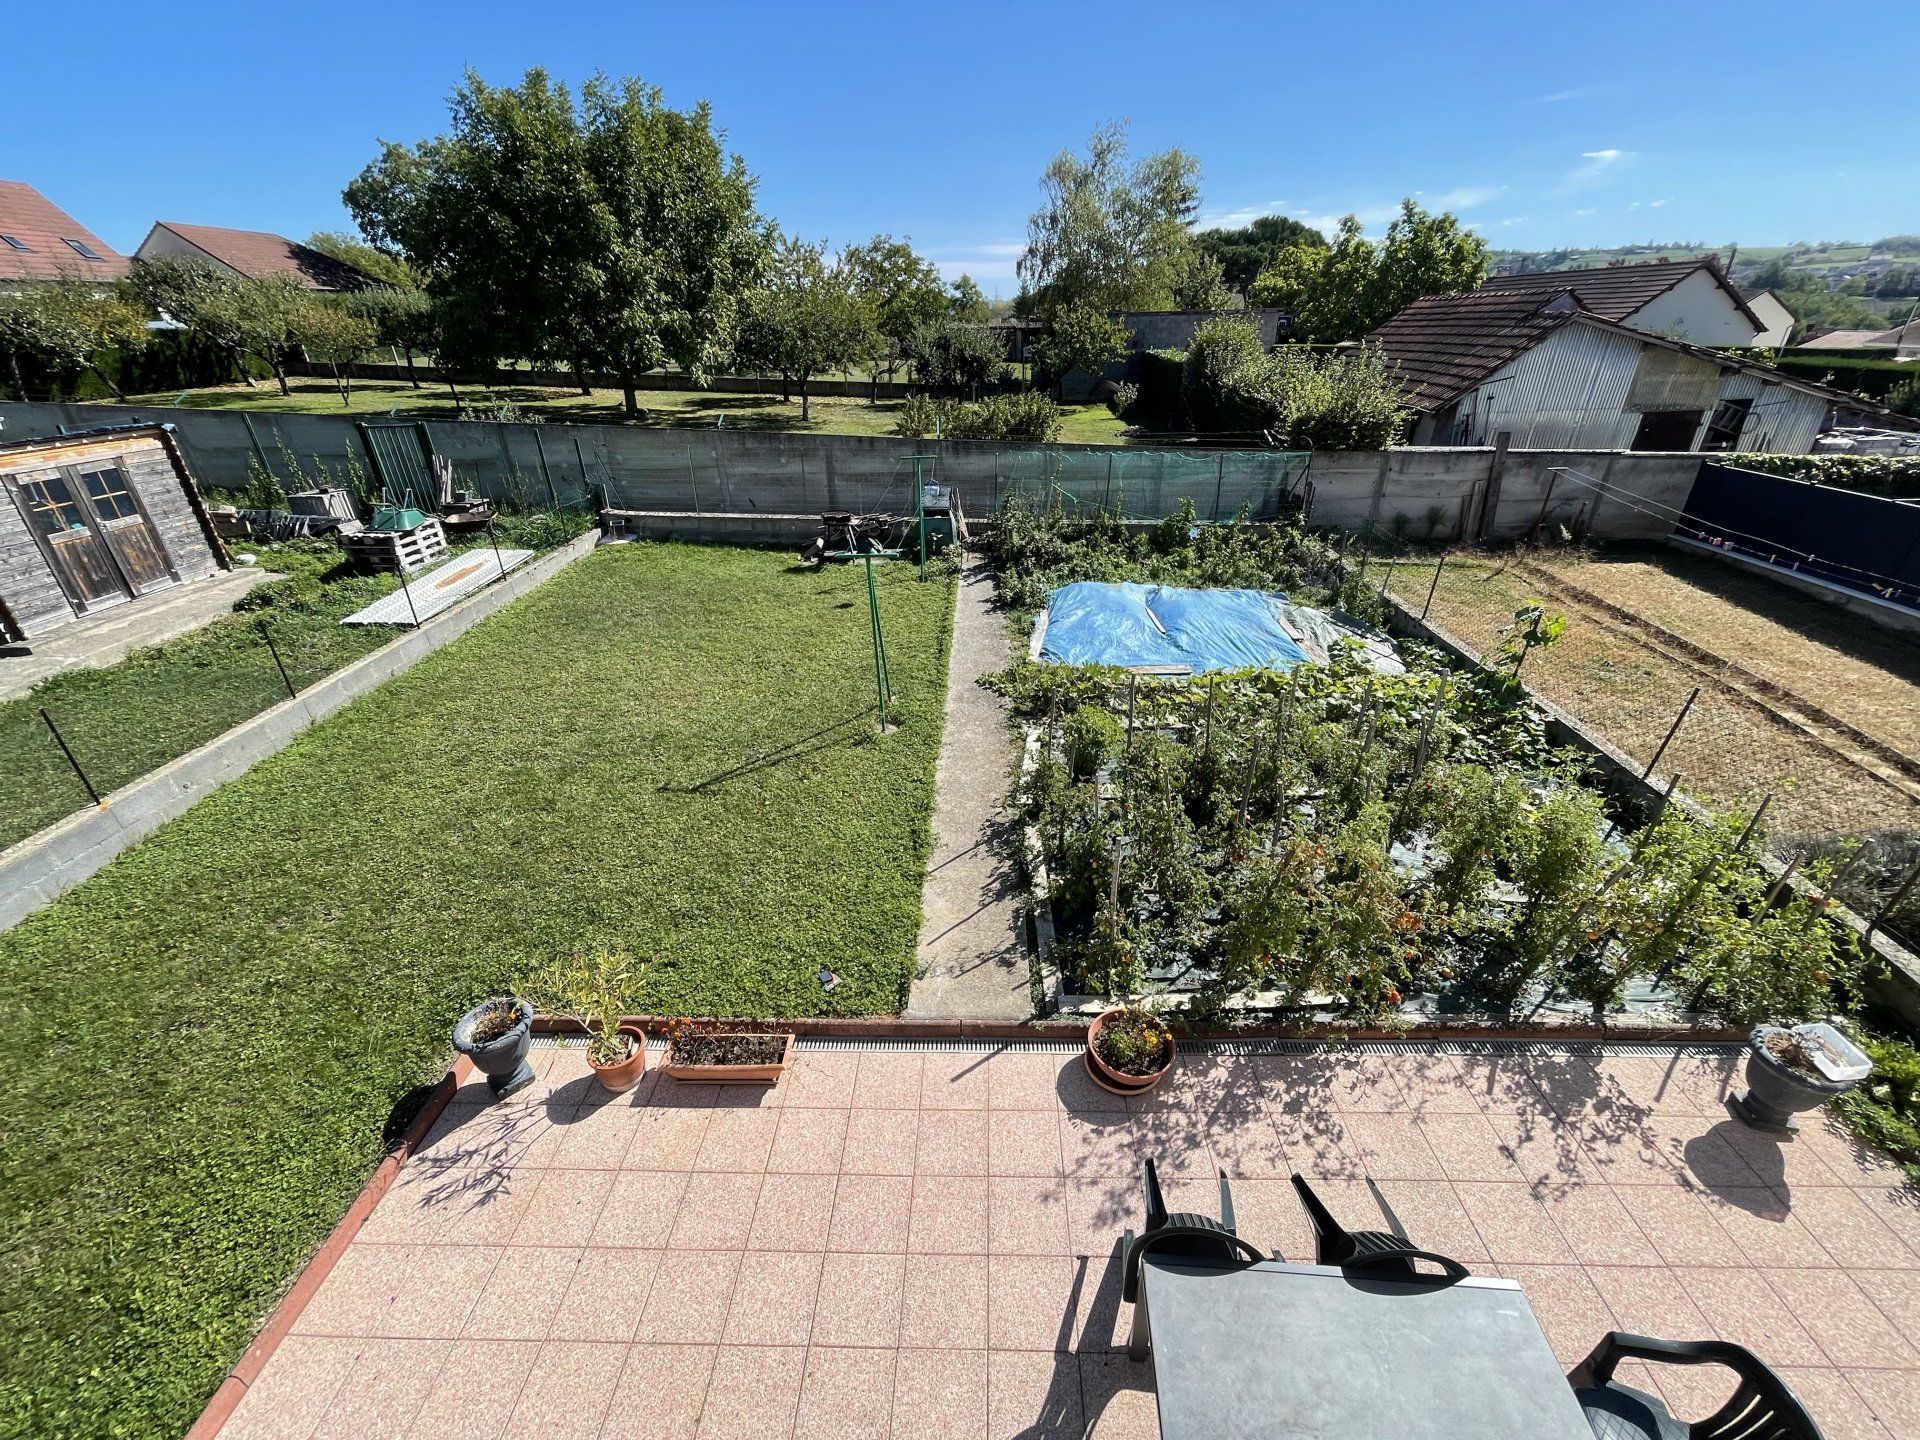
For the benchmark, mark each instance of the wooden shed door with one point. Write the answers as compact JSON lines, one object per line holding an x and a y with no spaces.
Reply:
{"x":77,"y":553}
{"x":117,"y":512}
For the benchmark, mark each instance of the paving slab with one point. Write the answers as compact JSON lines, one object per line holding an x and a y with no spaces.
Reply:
{"x":972,"y":958}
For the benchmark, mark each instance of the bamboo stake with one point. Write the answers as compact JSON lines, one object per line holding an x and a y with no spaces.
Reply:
{"x":1672,"y":730}
{"x":1246,"y":788}
{"x":1207,"y":744}
{"x":1126,"y":772}
{"x":1893,"y":901}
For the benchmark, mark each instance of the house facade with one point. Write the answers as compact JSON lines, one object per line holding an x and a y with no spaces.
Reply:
{"x":253,"y":254}
{"x":1550,"y":374}
{"x":1692,"y":301}
{"x":1773,"y":313}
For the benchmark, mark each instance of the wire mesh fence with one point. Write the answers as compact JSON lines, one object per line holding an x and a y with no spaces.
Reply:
{"x":1728,"y":738}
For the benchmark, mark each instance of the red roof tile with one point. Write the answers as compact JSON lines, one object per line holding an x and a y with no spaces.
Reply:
{"x":259,"y":254}
{"x":43,"y":229}
{"x":1614,"y":292}
{"x":1441,"y":346}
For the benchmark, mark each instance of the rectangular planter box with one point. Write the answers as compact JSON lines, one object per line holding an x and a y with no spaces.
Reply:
{"x":768,"y":1074}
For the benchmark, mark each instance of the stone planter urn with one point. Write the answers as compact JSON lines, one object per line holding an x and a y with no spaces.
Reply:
{"x":502,"y":1058}
{"x":1790,"y":1069}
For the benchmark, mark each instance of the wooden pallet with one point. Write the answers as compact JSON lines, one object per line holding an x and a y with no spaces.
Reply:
{"x":398,"y":550}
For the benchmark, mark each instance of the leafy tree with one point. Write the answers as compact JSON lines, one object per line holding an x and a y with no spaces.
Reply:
{"x":613,"y":231}
{"x":1198,"y":282}
{"x":1340,"y":401}
{"x":402,"y":319}
{"x":1223,"y":379}
{"x":1252,"y":249}
{"x":69,"y":325}
{"x":1356,"y":285}
{"x":386,"y":268}
{"x":902,"y":294}
{"x":1110,"y":232}
{"x":243,"y":315}
{"x":1290,"y":279}
{"x":968,"y":302}
{"x":1423,"y":254}
{"x":806,"y":318}
{"x":957,"y":355}
{"x":334,"y":333}
{"x":1082,"y":337}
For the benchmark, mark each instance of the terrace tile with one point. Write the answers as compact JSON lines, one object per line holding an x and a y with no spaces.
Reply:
{"x":943,"y":1391}
{"x":472,"y":1391}
{"x":662,"y":1390}
{"x":846,"y":1395}
{"x":895,"y":1242}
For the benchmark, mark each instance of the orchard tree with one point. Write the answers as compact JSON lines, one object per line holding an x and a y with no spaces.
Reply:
{"x":1110,"y":233}
{"x":804,"y":320}
{"x":1352,"y":287}
{"x":958,"y":356}
{"x":241,"y":314}
{"x":402,"y":320}
{"x":1423,"y":254}
{"x":330,"y":331}
{"x":1289,"y":280}
{"x":902,"y":293}
{"x":69,"y":325}
{"x":613,"y":231}
{"x":1082,"y":337}
{"x":968,"y":302}
{"x":369,"y":260}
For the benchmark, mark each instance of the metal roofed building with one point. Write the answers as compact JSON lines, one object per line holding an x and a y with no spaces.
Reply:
{"x":40,"y":241}
{"x":255,"y":254}
{"x":1540,"y":366}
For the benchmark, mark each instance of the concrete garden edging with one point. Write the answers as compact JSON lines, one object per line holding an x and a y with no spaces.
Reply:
{"x":39,"y":869}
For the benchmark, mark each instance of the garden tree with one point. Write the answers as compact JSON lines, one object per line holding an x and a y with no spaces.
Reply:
{"x":403,"y":320}
{"x":1198,"y":282}
{"x":195,"y":295}
{"x":1081,"y":337}
{"x":69,"y":325}
{"x":1110,"y":232}
{"x":332,"y":332}
{"x":1223,"y":378}
{"x":968,"y":302}
{"x":613,"y":231}
{"x":1289,"y":280}
{"x":1248,"y":251}
{"x":387,"y":268}
{"x":902,"y":294}
{"x":957,"y":355}
{"x":804,"y":319}
{"x":1354,"y":285}
{"x":1301,"y":400}
{"x":1423,"y":254}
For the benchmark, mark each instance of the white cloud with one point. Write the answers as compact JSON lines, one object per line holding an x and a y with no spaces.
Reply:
{"x":1595,"y":165}
{"x":1588,"y":211}
{"x":1580,"y":92}
{"x":1656,"y":204}
{"x":984,"y":261}
{"x":1515,"y":220}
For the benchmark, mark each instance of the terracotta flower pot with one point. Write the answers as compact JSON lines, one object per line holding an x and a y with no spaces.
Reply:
{"x":623,"y":1074}
{"x":768,"y":1073}
{"x":1120,"y":1082}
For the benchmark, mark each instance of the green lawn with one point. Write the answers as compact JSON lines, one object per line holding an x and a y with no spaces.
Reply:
{"x":666,"y":409}
{"x":126,"y":719}
{"x":667,"y":746}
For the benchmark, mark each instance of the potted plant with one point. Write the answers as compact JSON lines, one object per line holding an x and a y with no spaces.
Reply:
{"x":726,"y":1057}
{"x":589,"y":990}
{"x":1129,"y":1048}
{"x":495,"y":1035}
{"x":1796,"y":1068}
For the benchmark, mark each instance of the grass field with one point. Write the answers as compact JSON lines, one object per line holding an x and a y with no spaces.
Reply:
{"x":661,"y":409}
{"x":126,"y":719}
{"x":666,"y":746}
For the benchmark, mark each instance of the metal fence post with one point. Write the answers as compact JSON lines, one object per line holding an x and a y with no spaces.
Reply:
{"x":1672,"y":730}
{"x":278,"y":663}
{"x":1438,"y":566}
{"x":67,"y":751}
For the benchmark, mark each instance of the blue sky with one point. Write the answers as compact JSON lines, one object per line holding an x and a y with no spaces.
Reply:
{"x":1540,"y":124}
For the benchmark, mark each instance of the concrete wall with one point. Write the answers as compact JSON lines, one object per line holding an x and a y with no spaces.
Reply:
{"x":41,"y":868}
{"x":1440,"y":491}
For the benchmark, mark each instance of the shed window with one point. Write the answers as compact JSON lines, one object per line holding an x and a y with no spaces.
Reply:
{"x":80,"y":248}
{"x":51,"y":507}
{"x":14,"y":242}
{"x":1723,"y":430}
{"x":108,"y":491}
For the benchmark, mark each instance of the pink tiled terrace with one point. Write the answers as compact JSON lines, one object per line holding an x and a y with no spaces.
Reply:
{"x":922,"y":1242}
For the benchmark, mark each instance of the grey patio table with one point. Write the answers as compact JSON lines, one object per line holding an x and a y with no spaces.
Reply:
{"x":1309,"y":1351}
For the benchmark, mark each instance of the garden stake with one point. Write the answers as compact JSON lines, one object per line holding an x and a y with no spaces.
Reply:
{"x":1699,"y":882}
{"x":1419,"y":764}
{"x":1113,"y":877}
{"x":1672,"y":731}
{"x":1673,"y":783}
{"x":1438,"y":566}
{"x":277,"y":663}
{"x":1253,"y":766}
{"x":1885,"y":910}
{"x":1207,"y":745}
{"x":1781,"y":884}
{"x":61,"y":741}
{"x":1126,"y":764}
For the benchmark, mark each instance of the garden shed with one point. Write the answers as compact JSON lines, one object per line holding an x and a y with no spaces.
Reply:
{"x":95,"y":519}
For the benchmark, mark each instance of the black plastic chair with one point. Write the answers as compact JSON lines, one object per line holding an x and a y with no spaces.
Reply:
{"x":1382,"y":1250}
{"x":1762,"y":1408}
{"x":1183,"y":1233}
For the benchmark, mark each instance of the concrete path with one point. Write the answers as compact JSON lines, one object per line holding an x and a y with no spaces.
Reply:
{"x":110,"y":634}
{"x":972,"y":959}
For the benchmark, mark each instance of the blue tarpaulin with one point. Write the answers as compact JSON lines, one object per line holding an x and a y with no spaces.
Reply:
{"x":1091,"y":623}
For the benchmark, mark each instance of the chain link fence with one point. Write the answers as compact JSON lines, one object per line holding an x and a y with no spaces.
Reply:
{"x":1692,"y":718}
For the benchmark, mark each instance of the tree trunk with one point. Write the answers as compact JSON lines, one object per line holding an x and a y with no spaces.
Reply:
{"x":627,"y":390}
{"x":279,"y":373}
{"x":806,"y":400}
{"x":19,"y":380}
{"x":786,"y":388}
{"x":412,"y":379}
{"x":580,"y":376}
{"x":105,"y":379}
{"x":450,"y":385}
{"x":240,"y":367}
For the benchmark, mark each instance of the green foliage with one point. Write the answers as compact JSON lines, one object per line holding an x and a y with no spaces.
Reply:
{"x":69,"y":325}
{"x":1476,"y":829}
{"x":208,"y":1038}
{"x":1135,"y":1041}
{"x":806,"y":319}
{"x":1125,"y":396}
{"x":612,"y":231}
{"x":903,"y":295}
{"x":1885,"y":1110}
{"x":1895,"y":476}
{"x":1081,"y":337}
{"x":1353,"y":286}
{"x":592,"y":988}
{"x":968,"y":302}
{"x":957,"y":356}
{"x":1246,"y":252}
{"x":1028,"y":415}
{"x":388,"y":269}
{"x":1533,"y":627}
{"x":1091,"y":737}
{"x":1874,"y":376}
{"x":1300,"y":399}
{"x":1111,"y":233}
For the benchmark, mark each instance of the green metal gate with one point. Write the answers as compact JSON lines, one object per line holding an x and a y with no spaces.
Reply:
{"x":402,"y":461}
